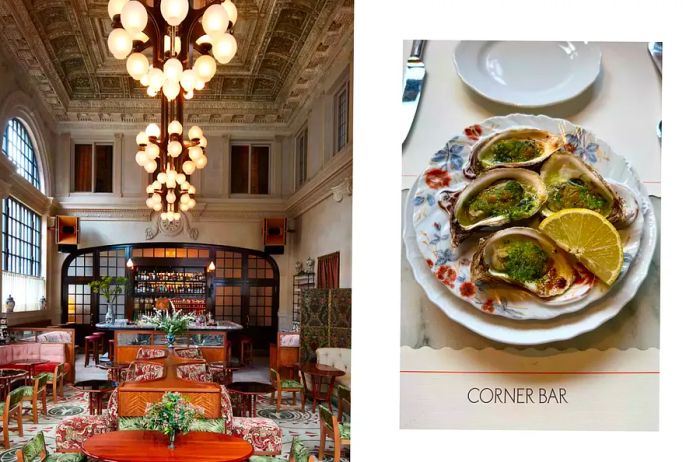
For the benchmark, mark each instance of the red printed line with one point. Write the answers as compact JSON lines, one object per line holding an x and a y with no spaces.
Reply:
{"x":537,"y":372}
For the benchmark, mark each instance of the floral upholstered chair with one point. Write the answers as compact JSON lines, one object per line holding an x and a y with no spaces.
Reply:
{"x":264,"y":434}
{"x":151,"y":353}
{"x":189,"y":353}
{"x":289,"y":386}
{"x":331,"y":428}
{"x":141,"y":371}
{"x":298,"y":453}
{"x":35,"y":449}
{"x":198,"y":372}
{"x":34,"y":393}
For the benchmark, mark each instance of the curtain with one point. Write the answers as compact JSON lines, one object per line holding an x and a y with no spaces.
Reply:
{"x":25,"y":290}
{"x":329,"y":271}
{"x":83,"y":168}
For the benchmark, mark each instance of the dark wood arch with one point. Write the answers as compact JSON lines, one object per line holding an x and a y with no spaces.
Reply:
{"x":216,"y":282}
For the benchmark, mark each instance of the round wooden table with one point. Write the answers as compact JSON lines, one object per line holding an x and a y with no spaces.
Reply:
{"x":152,"y":446}
{"x":319,"y":373}
{"x":251,"y":391}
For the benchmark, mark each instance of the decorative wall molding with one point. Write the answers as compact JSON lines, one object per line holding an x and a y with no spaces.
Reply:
{"x":341,"y":190}
{"x":170,"y":229}
{"x":22,"y":189}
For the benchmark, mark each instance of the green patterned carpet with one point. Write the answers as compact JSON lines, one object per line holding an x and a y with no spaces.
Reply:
{"x":304,"y":425}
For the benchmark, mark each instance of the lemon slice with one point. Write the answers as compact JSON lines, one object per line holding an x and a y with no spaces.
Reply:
{"x":589,"y":237}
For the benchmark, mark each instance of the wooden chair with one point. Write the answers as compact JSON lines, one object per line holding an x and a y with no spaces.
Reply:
{"x":331,"y":428}
{"x":36,"y":449}
{"x":12,"y":407}
{"x":56,"y":379}
{"x":189,"y":353}
{"x":343,"y":403}
{"x":289,"y":386}
{"x":298,"y":453}
{"x":151,"y":353}
{"x":33,"y":393}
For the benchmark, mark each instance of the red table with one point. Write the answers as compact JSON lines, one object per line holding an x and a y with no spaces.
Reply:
{"x":152,"y":446}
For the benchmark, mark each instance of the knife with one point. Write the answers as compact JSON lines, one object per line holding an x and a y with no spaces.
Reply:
{"x":412,"y":85}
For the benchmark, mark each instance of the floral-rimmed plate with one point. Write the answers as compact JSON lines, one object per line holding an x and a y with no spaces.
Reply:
{"x":450,"y":265}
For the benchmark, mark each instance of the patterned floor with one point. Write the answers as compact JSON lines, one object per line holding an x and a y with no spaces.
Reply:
{"x":291,"y":419}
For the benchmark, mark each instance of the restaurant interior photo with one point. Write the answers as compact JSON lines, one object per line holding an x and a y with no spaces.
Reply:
{"x":176,"y":185}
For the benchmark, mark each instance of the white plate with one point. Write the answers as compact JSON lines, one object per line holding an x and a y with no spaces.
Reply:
{"x":530,"y":332}
{"x":528,"y":74}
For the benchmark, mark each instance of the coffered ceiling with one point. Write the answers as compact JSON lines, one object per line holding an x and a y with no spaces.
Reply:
{"x":283,"y":47}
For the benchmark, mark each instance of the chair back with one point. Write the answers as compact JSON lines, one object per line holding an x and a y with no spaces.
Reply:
{"x":326,"y":417}
{"x":189,"y":353}
{"x":150,"y":353}
{"x":143,"y":371}
{"x":35,"y":448}
{"x":14,"y":398}
{"x":275,"y":378}
{"x":343,"y":403}
{"x":196,"y":372}
{"x":299,"y":452}
{"x":41,"y":380}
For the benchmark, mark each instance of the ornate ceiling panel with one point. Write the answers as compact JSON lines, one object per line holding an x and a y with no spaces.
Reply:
{"x":282,"y":48}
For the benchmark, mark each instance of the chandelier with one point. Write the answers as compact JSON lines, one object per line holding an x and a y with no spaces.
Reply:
{"x":175,"y":33}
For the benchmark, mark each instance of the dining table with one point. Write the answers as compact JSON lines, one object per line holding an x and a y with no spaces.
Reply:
{"x":622,"y":107}
{"x":322,"y":382}
{"x":152,"y":446}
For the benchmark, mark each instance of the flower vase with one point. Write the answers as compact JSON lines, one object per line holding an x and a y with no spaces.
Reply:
{"x":109,"y":316}
{"x":171,"y":444}
{"x":170,"y":338}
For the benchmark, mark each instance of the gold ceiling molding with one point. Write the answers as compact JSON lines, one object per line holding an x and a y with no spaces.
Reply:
{"x":283,"y":49}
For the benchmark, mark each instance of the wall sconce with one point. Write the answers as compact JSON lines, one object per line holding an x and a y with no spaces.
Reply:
{"x":130,"y":264}
{"x":211,"y":267}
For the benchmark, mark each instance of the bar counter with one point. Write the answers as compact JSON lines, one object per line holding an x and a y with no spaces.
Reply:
{"x":212,"y":341}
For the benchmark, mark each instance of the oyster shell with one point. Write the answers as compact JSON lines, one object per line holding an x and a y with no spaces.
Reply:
{"x":526,"y":258}
{"x":518,"y":147}
{"x":496,"y":198}
{"x":572,"y":183}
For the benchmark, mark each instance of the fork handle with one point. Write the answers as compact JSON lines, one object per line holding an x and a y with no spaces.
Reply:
{"x":417,"y":49}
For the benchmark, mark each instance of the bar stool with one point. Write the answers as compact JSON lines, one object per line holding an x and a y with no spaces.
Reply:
{"x":246,"y":350}
{"x":91,"y":346}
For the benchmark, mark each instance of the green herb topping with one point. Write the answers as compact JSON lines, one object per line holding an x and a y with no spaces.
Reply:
{"x":576,"y":193}
{"x":509,"y":151}
{"x":507,"y":197}
{"x":522,"y":259}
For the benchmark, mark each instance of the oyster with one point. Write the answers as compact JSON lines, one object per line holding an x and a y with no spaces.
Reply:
{"x":572,"y":183}
{"x":526,"y":258}
{"x":518,"y":147}
{"x":497,"y":198}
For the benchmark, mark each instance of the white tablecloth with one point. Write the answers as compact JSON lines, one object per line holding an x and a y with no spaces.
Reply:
{"x":622,"y":107}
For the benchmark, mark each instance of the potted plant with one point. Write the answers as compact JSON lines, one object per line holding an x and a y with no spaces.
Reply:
{"x":171,"y":323}
{"x":172,"y":415}
{"x":109,"y":287}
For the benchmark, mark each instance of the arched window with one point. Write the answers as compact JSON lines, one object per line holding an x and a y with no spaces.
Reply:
{"x":17,"y":145}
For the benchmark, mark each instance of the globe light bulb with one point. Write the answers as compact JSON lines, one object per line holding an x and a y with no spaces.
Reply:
{"x":203,"y":142}
{"x":174,"y":148}
{"x":161,"y":177}
{"x":149,"y":203}
{"x":185,"y":199}
{"x":171,"y":89}
{"x":176,"y":216}
{"x":157,"y":206}
{"x":171,"y":215}
{"x":185,"y":186}
{"x":137,"y":65}
{"x":188,"y":80}
{"x":175,"y":128}
{"x":141,"y":158}
{"x":114,"y":7}
{"x":119,"y":43}
{"x":192,"y":190}
{"x":195,"y":153}
{"x":184,"y":207}
{"x":225,"y":48}
{"x":201,"y":162}
{"x":215,"y":20}
{"x":145,"y":80}
{"x":142,"y":139}
{"x":192,"y":203}
{"x":188,"y":167}
{"x":152,"y":151}
{"x":134,"y":17}
{"x":231,"y":10}
{"x":189,"y":94}
{"x":151,"y":166}
{"x":205,"y":66}
{"x":180,"y":178}
{"x":152,"y":91}
{"x":195,"y":133}
{"x":170,"y":197}
{"x":174,"y":11}
{"x":153,"y":131}
{"x":156,"y":78}
{"x":172,"y":69}
{"x":163,"y":216}
{"x":199,"y":86}
{"x":149,"y":189}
